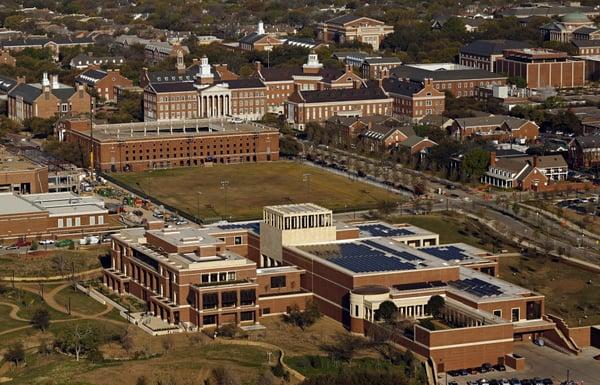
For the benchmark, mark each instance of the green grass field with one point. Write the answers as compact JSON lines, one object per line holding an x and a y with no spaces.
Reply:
{"x":80,"y":303}
{"x":252,"y":186}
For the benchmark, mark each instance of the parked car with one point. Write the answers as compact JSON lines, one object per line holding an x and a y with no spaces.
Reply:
{"x":64,"y":243}
{"x":483,"y":381}
{"x":487,"y":367}
{"x":548,"y":381}
{"x":22,"y":243}
{"x":504,"y":381}
{"x":500,"y":368}
{"x":453,"y":383}
{"x":12,"y":247}
{"x":158,"y":215}
{"x":538,"y":381}
{"x":181,"y":221}
{"x":494,"y":382}
{"x":46,"y":242}
{"x":515,"y":381}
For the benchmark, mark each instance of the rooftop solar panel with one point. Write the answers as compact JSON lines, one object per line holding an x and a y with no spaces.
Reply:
{"x":371,"y":263}
{"x":254,"y":226}
{"x":447,"y":253}
{"x":477,"y":287}
{"x":401,"y":254}
{"x":381,"y":230}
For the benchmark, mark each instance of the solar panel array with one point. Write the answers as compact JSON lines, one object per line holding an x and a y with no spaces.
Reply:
{"x":401,"y":254}
{"x":477,"y":287}
{"x":254,"y":226}
{"x":380,"y":230}
{"x":361,"y":258}
{"x":447,"y":253}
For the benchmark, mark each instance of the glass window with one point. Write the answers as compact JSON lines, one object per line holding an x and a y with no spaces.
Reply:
{"x":278,"y":281}
{"x":238,"y":240}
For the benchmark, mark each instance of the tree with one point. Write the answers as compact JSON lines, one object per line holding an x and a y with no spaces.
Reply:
{"x":126,"y":340}
{"x":78,"y":339}
{"x":41,"y":319}
{"x":289,"y":146}
{"x":475,"y":163}
{"x":15,"y":353}
{"x":39,"y":127}
{"x":303,"y":319}
{"x":435,"y":305}
{"x":387,"y":310}
{"x":344,"y":346}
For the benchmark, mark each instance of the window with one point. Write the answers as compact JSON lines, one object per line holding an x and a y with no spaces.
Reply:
{"x":266,"y":310}
{"x":231,"y":276}
{"x":205,"y":278}
{"x":69,"y":222}
{"x":209,"y":320}
{"x":61,"y":223}
{"x":214,"y":277}
{"x":222,"y":277}
{"x":92,"y":220}
{"x":228,"y":298}
{"x":247,"y":316}
{"x":278,"y":281}
{"x":77,"y":221}
{"x":247,"y":297}
{"x":210,"y":300}
{"x":498,"y":313}
{"x":100,"y":219}
{"x":238,"y":240}
{"x":515,"y":313}
{"x":64,"y":107}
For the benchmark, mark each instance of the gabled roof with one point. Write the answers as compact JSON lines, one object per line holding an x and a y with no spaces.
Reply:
{"x":396,"y":86}
{"x":6,"y":84}
{"x":172,"y":87}
{"x":585,"y":30}
{"x":585,"y":43}
{"x":591,"y":141}
{"x":245,"y":83}
{"x":280,"y":73}
{"x":345,"y":19}
{"x":495,"y":120}
{"x":420,"y":74}
{"x":414,"y":140}
{"x":90,"y":77}
{"x":28,"y":92}
{"x":342,"y":94}
{"x":252,"y":38}
{"x":63,"y":93}
{"x":492,"y":47}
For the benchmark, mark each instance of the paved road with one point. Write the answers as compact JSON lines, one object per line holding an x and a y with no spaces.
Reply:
{"x":545,"y":362}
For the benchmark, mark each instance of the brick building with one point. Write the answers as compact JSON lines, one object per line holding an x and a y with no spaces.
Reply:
{"x":586,"y":47}
{"x":455,"y":78}
{"x":259,"y":40}
{"x":414,"y":99}
{"x":242,"y":272}
{"x":157,"y":51}
{"x":47,"y":99}
{"x":282,"y":82}
{"x":83,"y":61}
{"x":103,"y":82}
{"x":168,"y":101}
{"x":51,"y":216}
{"x":483,"y":54}
{"x":319,"y":105}
{"x":7,"y":59}
{"x":349,"y":28}
{"x":19,"y":175}
{"x":571,"y":25}
{"x":525,"y":172}
{"x":376,"y":68}
{"x":543,"y":68}
{"x":496,"y":127}
{"x":177,"y":143}
{"x":584,"y":152}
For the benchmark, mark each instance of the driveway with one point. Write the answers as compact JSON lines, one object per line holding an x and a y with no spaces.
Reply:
{"x":544,"y":362}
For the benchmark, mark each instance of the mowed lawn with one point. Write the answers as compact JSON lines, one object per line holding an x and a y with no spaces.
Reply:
{"x":252,"y":186}
{"x":571,"y":293}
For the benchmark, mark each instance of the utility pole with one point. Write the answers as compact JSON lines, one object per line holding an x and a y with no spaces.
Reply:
{"x":91,"y":155}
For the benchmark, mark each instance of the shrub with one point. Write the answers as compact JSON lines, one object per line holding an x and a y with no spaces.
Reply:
{"x":41,"y":319}
{"x":227,"y":330}
{"x":15,"y":353}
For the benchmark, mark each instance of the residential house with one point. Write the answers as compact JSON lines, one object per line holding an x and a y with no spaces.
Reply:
{"x":525,"y":172}
{"x":47,"y":99}
{"x":495,"y":127}
{"x":483,"y":54}
{"x":103,"y":82}
{"x":349,"y":28}
{"x":259,"y":40}
{"x":584,"y":152}
{"x":383,"y":136}
{"x":417,"y":145}
{"x":414,"y":99}
{"x":319,"y":105}
{"x":438,"y":121}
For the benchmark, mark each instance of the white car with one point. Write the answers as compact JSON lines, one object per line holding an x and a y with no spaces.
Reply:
{"x":181,"y":221}
{"x":46,"y":242}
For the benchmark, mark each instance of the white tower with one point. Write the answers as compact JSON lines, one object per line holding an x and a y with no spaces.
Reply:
{"x":261,"y":28}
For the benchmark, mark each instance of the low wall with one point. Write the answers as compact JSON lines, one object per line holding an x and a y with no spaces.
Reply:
{"x":582,"y":336}
{"x":514,"y":362}
{"x":93,"y":293}
{"x":84,"y":275}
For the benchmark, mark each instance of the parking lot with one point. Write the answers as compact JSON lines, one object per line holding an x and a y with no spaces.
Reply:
{"x":544,"y":362}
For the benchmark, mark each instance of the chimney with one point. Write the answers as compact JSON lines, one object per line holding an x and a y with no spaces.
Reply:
{"x":21,"y":80}
{"x":348,"y":68}
{"x":493,"y":158}
{"x":385,"y":73}
{"x":535,"y":161}
{"x":195,"y":61}
{"x":55,"y":82}
{"x":45,"y":81}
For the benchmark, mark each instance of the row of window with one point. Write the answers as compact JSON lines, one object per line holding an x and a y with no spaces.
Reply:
{"x":76,"y":222}
{"x":218,"y":277}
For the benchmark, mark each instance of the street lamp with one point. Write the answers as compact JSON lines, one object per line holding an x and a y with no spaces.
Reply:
{"x":224,"y":186}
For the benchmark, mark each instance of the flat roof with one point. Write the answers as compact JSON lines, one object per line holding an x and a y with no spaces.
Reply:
{"x":253,"y":226}
{"x":10,"y":162}
{"x":383,"y":229}
{"x":375,"y":255}
{"x":14,"y":204}
{"x":136,"y":238}
{"x":458,"y":252}
{"x":169,"y":129}
{"x":66,"y":203}
{"x":482,"y":287}
{"x":298,"y":208}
